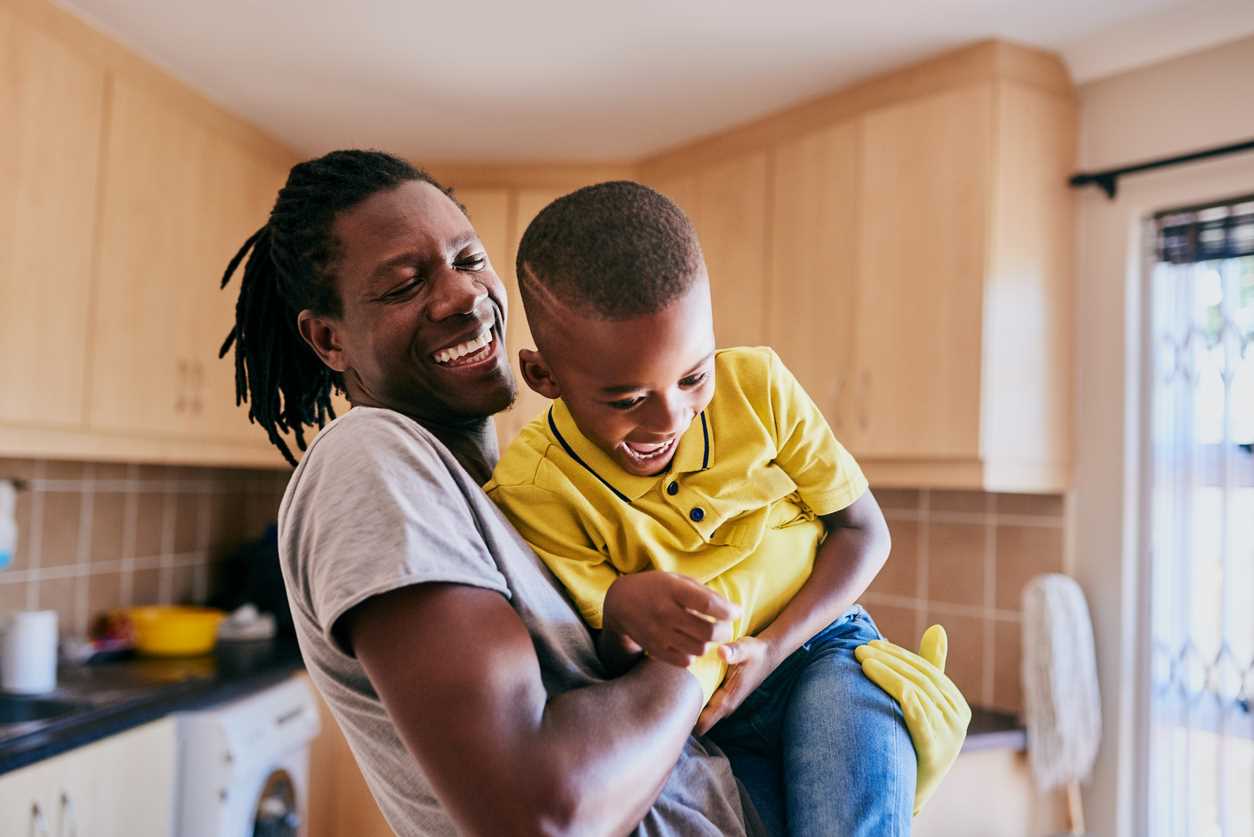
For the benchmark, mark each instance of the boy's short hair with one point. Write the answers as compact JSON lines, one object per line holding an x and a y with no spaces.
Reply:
{"x":612,"y":251}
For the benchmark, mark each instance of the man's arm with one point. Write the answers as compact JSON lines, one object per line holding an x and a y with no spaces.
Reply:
{"x":458,"y":674}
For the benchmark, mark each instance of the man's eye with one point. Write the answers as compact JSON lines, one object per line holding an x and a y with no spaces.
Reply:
{"x":476,"y":262}
{"x":626,"y":403}
{"x":404,"y":290}
{"x":694,"y":380}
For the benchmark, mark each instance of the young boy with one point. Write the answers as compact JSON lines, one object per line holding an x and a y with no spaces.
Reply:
{"x":691,"y":499}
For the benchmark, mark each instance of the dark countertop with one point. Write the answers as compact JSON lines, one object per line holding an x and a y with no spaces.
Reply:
{"x":118,"y":696}
{"x":990,"y":730}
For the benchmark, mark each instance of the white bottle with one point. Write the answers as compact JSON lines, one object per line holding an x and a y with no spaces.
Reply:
{"x":8,"y":523}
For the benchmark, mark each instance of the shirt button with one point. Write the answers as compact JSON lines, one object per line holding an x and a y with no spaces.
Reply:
{"x":696,"y":515}
{"x":672,"y":489}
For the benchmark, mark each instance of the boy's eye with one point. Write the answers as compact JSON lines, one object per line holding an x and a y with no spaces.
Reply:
{"x":694,"y":380}
{"x":626,"y":403}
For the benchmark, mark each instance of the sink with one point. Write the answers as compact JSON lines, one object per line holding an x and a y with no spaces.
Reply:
{"x":22,"y":709}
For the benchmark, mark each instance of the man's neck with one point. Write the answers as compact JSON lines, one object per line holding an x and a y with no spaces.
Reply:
{"x":473,"y":444}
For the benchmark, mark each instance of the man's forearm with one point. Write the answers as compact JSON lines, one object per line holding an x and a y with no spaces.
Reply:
{"x":634,"y":726}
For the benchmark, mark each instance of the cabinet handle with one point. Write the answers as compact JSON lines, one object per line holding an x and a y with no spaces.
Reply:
{"x":69,"y":820}
{"x":180,"y":404}
{"x":38,"y":822}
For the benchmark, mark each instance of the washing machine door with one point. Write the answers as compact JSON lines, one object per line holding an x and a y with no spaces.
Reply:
{"x":278,"y":809}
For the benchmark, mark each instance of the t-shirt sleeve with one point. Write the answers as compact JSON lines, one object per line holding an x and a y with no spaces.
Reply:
{"x":827,"y":476}
{"x":374,"y":509}
{"x":550,"y":523}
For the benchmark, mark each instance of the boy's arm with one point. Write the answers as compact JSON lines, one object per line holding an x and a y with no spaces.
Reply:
{"x":855,"y":549}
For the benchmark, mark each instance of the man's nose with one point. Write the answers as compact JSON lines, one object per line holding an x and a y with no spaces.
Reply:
{"x":455,"y":292}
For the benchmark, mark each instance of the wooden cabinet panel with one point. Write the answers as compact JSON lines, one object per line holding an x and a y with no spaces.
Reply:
{"x":153,"y":264}
{"x":814,"y":286}
{"x":924,"y":203}
{"x":527,"y":205}
{"x":732,"y":222}
{"x":51,"y":107}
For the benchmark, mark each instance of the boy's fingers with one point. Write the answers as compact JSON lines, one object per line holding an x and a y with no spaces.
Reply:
{"x":698,"y":627}
{"x":699,"y":599}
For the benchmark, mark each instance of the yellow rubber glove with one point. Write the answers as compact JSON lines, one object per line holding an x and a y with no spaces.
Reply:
{"x":936,"y":712}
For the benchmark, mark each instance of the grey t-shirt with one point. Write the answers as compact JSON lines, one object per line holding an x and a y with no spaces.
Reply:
{"x":379,"y":503}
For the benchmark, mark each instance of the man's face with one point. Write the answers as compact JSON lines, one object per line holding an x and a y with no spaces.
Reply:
{"x":633,"y":386}
{"x":423,"y":322}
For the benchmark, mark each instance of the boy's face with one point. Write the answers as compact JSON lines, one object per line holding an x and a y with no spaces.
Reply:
{"x":632,"y":386}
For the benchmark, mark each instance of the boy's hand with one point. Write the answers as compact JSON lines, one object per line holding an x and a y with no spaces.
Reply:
{"x":749,"y":662}
{"x":669,"y":615}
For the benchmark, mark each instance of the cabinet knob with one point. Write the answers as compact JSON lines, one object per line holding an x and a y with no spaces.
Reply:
{"x":38,"y":822}
{"x":180,"y":404}
{"x":69,"y":820}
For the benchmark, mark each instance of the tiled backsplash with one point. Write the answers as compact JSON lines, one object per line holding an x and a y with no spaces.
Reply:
{"x":961,"y":558}
{"x":94,"y":536}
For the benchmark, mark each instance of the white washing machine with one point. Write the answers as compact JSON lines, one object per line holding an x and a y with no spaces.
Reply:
{"x":244,"y":766}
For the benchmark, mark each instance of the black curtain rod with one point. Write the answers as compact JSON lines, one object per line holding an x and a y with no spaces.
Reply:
{"x":1108,"y":180}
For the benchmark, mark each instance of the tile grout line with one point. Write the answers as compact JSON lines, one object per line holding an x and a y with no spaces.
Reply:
{"x":989,"y":596}
{"x":165,"y":577}
{"x":129,"y":526}
{"x":86,"y":513}
{"x":36,"y":536}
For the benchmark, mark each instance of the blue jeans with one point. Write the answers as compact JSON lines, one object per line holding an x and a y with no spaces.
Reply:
{"x":821,"y":749}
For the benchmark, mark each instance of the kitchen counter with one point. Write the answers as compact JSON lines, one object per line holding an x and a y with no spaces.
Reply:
{"x":116,"y":696}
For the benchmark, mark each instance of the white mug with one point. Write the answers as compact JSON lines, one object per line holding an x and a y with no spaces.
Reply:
{"x":28,"y":652}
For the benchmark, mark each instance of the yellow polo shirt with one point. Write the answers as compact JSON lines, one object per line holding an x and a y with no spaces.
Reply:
{"x":737,"y":509}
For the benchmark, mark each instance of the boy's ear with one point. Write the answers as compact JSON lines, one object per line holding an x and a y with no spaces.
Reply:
{"x":320,"y":334}
{"x":537,"y":373}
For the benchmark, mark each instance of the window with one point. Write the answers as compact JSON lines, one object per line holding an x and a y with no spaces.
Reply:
{"x":1200,"y":526}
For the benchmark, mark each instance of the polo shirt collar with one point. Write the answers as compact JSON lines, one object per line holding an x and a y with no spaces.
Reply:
{"x":695,"y":453}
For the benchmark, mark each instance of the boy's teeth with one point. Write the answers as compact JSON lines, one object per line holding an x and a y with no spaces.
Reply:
{"x":462,"y":349}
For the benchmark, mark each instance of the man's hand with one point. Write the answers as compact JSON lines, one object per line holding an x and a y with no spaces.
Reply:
{"x":749,"y":662}
{"x":670,"y":616}
{"x":936,"y":712}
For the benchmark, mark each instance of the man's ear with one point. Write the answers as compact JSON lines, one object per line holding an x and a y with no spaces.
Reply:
{"x":322,"y":335}
{"x":537,"y":373}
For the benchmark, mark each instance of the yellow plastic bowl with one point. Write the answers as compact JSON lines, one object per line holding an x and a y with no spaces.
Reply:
{"x":171,"y":631}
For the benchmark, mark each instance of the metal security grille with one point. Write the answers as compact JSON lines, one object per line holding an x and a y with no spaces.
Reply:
{"x":1201,"y":523}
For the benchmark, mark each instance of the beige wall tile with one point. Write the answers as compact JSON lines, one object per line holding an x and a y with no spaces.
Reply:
{"x":12,"y":595}
{"x":1022,"y":553}
{"x":900,"y":575}
{"x":1033,"y":505}
{"x":149,"y":524}
{"x":183,"y":590}
{"x":971,"y":502}
{"x":110,"y":471}
{"x":896,"y":623}
{"x":965,"y":665}
{"x":1007,"y":668}
{"x":108,"y":525}
{"x":25,"y":531}
{"x":57,"y":470}
{"x":62,"y":518}
{"x":104,"y":593}
{"x":146,"y":586}
{"x":187,"y":522}
{"x":61,"y":595}
{"x":226,"y":522}
{"x":956,"y":563}
{"x":900,"y":499}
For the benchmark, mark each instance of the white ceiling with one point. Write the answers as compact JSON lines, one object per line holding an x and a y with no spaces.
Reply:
{"x":571,"y":80}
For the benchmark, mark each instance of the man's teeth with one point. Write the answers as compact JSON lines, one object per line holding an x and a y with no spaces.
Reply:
{"x":453,"y":353}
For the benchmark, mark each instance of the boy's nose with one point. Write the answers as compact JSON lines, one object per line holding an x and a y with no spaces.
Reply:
{"x":669,"y":416}
{"x":455,"y":293}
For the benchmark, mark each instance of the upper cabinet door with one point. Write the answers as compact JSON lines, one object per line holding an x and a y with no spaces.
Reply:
{"x":924,"y":202}
{"x":813,"y":288}
{"x":153,"y":266}
{"x":732,"y":223}
{"x":51,"y":110}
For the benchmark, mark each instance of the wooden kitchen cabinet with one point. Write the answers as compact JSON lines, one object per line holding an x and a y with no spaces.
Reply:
{"x":52,"y":110}
{"x":121,"y":786}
